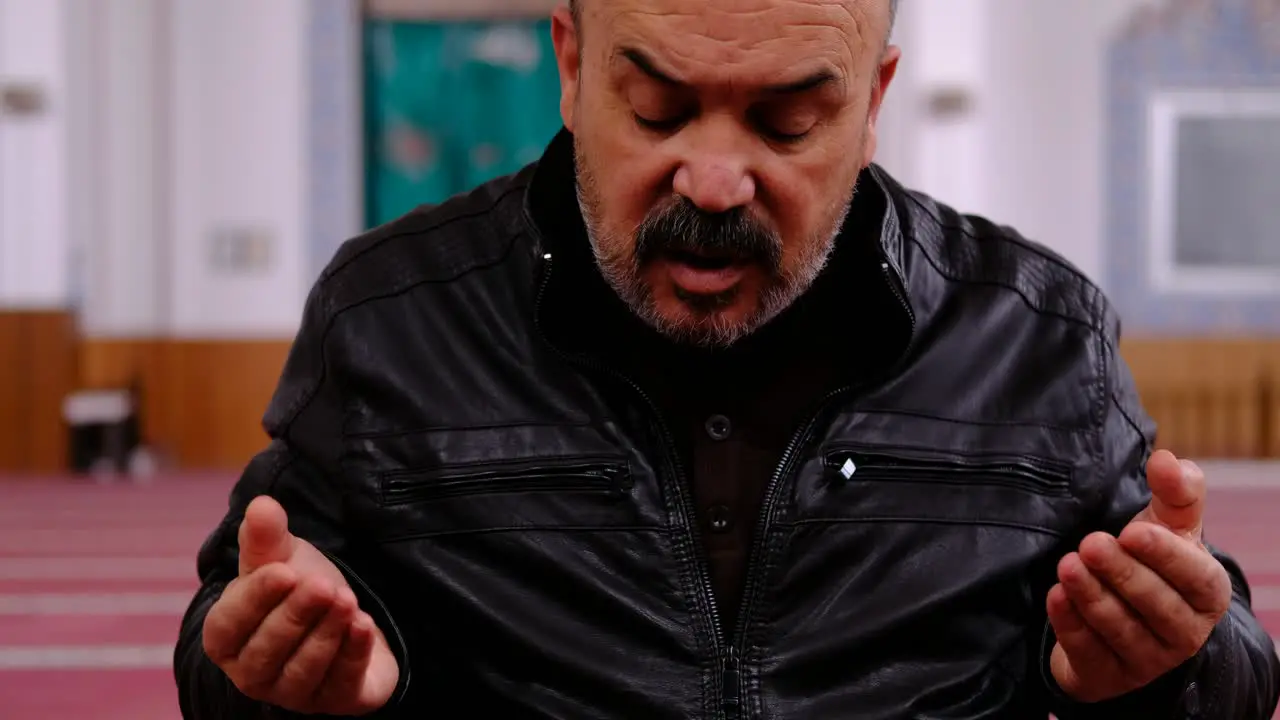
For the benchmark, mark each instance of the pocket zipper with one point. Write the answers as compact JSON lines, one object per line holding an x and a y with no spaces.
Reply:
{"x":526,"y":476}
{"x":845,"y":465}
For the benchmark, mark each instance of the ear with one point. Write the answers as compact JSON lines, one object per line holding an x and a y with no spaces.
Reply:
{"x":884,"y":76}
{"x":564,"y":38}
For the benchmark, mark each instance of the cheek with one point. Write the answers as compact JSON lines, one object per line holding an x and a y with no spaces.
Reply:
{"x":805,"y":195}
{"x":624,"y":197}
{"x":626,"y":157}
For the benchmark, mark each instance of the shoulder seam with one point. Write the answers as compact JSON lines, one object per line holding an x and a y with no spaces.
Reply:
{"x":1093,"y":322}
{"x":437,"y":225}
{"x":1039,"y":252}
{"x":330,"y":316}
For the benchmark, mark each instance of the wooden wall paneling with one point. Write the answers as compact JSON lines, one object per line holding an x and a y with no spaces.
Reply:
{"x":202,"y":400}
{"x":1270,"y":415}
{"x":1208,"y":395}
{"x":12,"y":396}
{"x":51,"y":347}
{"x":37,"y":370}
{"x":232,"y":383}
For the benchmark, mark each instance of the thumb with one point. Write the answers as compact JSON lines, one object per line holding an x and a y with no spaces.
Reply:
{"x":264,"y":535}
{"x":1177,"y":493}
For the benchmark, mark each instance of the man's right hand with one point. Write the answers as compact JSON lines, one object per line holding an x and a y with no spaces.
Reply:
{"x":288,"y":631}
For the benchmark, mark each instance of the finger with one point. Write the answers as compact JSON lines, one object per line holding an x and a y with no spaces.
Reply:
{"x":262,"y":658}
{"x":1109,"y":618}
{"x":1189,"y":569}
{"x":346,"y":676}
{"x":1084,"y":648}
{"x":244,"y":604}
{"x":1177,"y":493}
{"x":303,"y":674}
{"x":1160,"y":607}
{"x":264,"y":535}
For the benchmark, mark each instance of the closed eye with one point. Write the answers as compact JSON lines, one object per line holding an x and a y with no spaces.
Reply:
{"x":664,"y":125}
{"x":782,"y":137}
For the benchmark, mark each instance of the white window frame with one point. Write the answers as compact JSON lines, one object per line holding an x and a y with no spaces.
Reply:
{"x":1165,"y":110}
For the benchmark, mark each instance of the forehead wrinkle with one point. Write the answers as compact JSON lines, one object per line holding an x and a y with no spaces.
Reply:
{"x":706,"y":16}
{"x":720,"y":38}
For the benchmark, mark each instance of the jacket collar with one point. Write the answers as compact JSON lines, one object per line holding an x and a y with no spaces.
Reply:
{"x":866,"y":276}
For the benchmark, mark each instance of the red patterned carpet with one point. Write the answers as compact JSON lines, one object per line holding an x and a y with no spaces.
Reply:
{"x":93,"y":580}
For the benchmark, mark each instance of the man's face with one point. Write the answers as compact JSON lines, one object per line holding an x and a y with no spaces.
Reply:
{"x":717,"y":146}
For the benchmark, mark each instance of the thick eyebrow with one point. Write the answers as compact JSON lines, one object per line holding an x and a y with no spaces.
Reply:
{"x":817,"y":80}
{"x":647,"y":66}
{"x":814,"y":81}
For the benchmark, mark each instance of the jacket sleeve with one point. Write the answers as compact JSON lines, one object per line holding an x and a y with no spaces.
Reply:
{"x":300,"y":469}
{"x":1236,"y":675}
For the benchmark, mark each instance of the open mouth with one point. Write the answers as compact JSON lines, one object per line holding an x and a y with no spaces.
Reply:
{"x":699,"y":275}
{"x":698,"y":261}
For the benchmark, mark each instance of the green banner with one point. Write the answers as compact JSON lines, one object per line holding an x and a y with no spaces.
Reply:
{"x":449,"y":106}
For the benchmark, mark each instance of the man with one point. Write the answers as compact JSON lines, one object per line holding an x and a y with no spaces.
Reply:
{"x":704,"y":416}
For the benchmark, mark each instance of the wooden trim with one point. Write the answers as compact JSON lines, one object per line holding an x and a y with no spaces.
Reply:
{"x":37,"y":354}
{"x":202,"y":400}
{"x":1212,"y":397}
{"x":437,"y":10}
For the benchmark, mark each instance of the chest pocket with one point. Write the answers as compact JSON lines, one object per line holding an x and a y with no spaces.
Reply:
{"x":544,"y":493}
{"x":885,"y":484}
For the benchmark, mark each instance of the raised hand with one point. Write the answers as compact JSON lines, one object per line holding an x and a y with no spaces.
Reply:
{"x":288,"y":631}
{"x":1128,"y":610}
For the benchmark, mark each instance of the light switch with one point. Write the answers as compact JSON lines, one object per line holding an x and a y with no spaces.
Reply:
{"x":22,"y":99}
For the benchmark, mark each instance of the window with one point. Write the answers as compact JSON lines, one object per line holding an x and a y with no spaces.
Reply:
{"x":1214,"y":182}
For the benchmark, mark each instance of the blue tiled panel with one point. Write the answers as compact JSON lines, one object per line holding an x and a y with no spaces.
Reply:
{"x":1235,"y":44}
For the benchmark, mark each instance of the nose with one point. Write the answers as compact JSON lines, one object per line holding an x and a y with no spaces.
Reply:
{"x":713,"y":175}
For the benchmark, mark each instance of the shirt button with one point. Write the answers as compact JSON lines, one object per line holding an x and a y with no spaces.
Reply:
{"x":719,"y":519}
{"x":718,"y":427}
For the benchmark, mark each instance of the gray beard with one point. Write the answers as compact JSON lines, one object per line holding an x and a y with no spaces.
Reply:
{"x":711,"y":330}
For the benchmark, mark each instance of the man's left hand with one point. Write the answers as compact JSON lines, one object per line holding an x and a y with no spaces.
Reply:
{"x":1128,"y":610}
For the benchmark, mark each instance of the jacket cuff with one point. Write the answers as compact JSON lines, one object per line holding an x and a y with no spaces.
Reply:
{"x":373,"y":605}
{"x":1173,"y":695}
{"x":376,"y":609}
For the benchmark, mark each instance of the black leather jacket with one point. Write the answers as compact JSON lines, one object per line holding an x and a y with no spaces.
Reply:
{"x":509,"y":510}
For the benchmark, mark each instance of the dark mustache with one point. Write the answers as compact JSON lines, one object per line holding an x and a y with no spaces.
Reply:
{"x":683,"y":227}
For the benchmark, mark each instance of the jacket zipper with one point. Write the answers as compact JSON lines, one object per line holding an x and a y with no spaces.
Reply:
{"x":684,"y":494}
{"x":731,"y":675}
{"x":738,"y":643}
{"x":731,"y":685}
{"x":1040,"y":478}
{"x":545,"y":476}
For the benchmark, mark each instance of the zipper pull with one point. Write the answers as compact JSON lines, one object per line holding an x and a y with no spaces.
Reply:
{"x":846,"y":466}
{"x":621,"y":478}
{"x":731,"y":686}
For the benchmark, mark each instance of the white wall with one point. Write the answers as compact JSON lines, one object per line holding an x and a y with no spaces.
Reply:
{"x":943,"y":47}
{"x":169,"y":121}
{"x":237,"y":87}
{"x":34,"y":177}
{"x":118,"y":158}
{"x":1045,"y":120}
{"x":191,"y":122}
{"x":1029,"y":153}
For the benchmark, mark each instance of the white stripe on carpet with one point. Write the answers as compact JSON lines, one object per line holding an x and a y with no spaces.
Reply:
{"x":108,"y":657}
{"x":1240,"y":475}
{"x":1266,"y":598}
{"x":86,"y":604}
{"x":91,"y":568}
